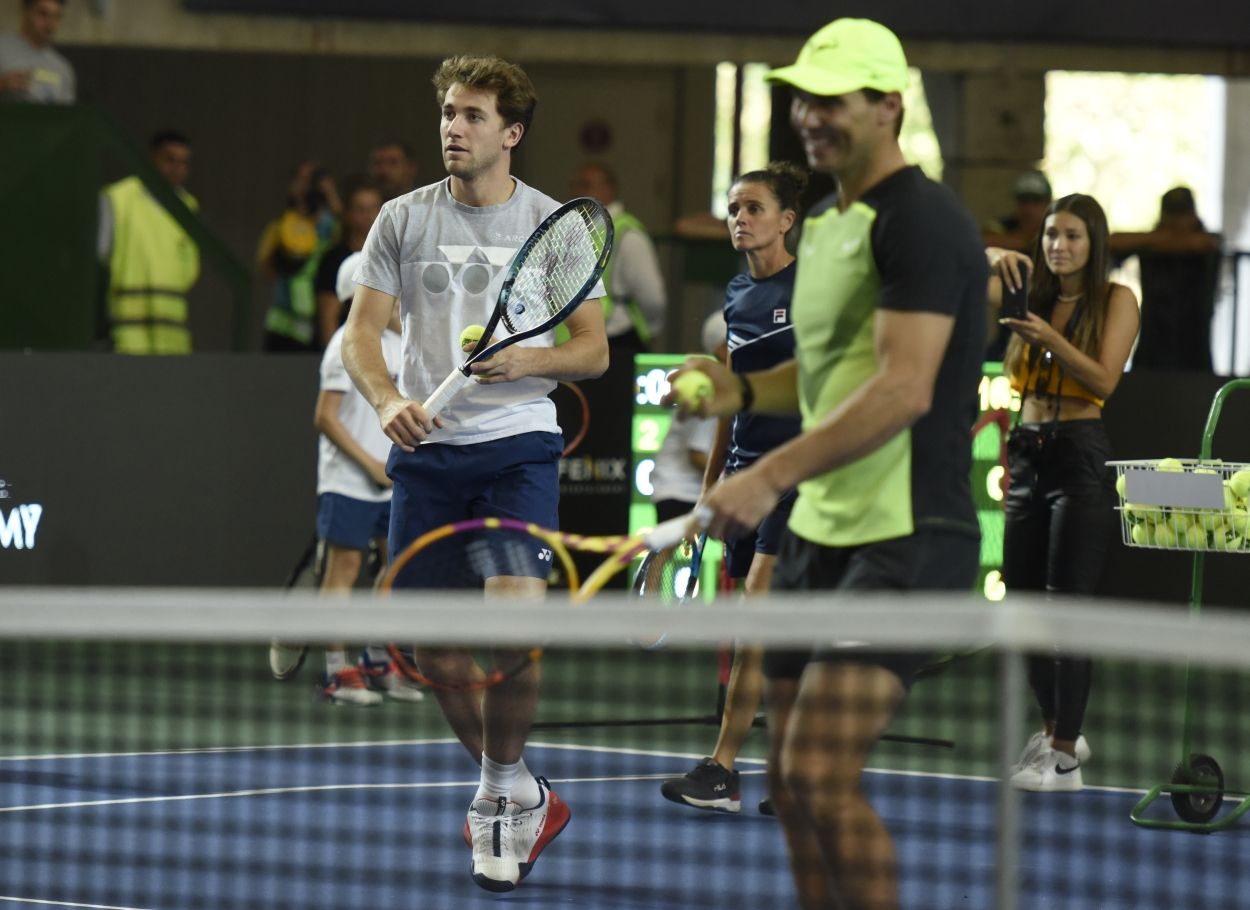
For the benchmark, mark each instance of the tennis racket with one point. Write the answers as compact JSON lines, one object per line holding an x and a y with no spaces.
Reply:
{"x":670,"y":577}
{"x":573,"y":413}
{"x":465,"y":554}
{"x":550,"y":275}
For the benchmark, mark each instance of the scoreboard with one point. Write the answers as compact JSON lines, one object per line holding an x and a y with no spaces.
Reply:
{"x":996,"y":400}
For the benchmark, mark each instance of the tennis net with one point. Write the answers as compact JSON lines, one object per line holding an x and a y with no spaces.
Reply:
{"x":150,"y":759}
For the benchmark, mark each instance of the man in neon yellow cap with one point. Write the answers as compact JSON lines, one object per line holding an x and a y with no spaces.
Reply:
{"x":888,"y":313}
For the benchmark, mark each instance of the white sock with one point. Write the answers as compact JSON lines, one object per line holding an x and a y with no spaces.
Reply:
{"x":497,"y":780}
{"x":525,"y":789}
{"x":335,"y":661}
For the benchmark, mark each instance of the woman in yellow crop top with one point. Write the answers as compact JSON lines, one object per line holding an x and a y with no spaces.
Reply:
{"x":1065,"y":358}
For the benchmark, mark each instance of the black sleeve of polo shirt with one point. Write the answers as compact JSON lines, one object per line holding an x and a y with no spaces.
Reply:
{"x":926,"y":246}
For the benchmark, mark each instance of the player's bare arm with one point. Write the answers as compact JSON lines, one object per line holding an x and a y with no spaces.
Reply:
{"x":773,"y":391}
{"x":909,"y":348}
{"x":583,"y":356}
{"x":326,"y":420}
{"x":403,"y":421}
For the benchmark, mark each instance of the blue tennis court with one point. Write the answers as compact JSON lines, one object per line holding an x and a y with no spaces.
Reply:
{"x":335,"y":825}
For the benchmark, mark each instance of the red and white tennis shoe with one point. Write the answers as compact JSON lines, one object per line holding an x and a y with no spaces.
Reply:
{"x":507,"y":839}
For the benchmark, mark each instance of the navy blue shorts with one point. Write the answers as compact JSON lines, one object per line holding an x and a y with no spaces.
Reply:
{"x":351,"y":523}
{"x":926,"y":560}
{"x":766,"y":539}
{"x":514,"y":477}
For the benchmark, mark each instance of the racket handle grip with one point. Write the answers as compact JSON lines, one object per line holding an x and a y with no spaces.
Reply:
{"x":446,"y":392}
{"x":670,"y":533}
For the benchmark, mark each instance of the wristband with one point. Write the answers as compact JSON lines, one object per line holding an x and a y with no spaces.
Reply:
{"x":747,"y":393}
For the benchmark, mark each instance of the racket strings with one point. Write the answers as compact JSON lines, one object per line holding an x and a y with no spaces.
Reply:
{"x":669,"y":576}
{"x":556,"y":268}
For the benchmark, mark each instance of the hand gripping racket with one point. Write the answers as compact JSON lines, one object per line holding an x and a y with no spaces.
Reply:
{"x":550,"y":275}
{"x":670,"y":577}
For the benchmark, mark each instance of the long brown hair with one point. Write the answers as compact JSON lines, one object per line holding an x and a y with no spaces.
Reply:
{"x":1044,"y":284}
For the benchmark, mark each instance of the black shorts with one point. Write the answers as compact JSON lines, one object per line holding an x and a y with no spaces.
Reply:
{"x":927,"y":560}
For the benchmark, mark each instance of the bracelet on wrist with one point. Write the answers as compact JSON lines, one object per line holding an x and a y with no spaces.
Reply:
{"x":747,"y":393}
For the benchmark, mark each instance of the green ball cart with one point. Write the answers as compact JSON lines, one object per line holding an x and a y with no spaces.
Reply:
{"x":1189,"y":504}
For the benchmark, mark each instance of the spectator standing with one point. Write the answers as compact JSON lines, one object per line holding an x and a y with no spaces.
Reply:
{"x":1180,"y":263}
{"x":1015,"y":232}
{"x":152,"y":262}
{"x":31,"y":69}
{"x":393,"y":168}
{"x":633,"y":311}
{"x":290,"y":251}
{"x":362,"y":200}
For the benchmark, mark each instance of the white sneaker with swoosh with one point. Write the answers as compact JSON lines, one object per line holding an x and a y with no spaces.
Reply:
{"x":1052,"y":772}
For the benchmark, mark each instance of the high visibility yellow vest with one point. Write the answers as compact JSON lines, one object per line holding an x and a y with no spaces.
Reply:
{"x":292,"y":310}
{"x":621,"y":223}
{"x":152,"y":265}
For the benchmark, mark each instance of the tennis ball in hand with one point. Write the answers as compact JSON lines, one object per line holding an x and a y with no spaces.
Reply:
{"x":471,"y":335}
{"x":692,"y":388}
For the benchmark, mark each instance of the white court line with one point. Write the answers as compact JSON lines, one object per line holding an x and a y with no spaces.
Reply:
{"x":626,"y":751}
{"x":42,"y":903}
{"x":214,"y":750}
{"x":439,"y":785}
{"x":322,"y":788}
{"x":433,"y":785}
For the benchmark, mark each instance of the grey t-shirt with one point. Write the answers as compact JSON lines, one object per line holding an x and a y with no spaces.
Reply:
{"x":51,"y":76}
{"x":446,"y":262}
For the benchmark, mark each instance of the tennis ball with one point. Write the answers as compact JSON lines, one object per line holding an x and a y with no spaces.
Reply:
{"x":1230,"y":498}
{"x":1239,"y":483}
{"x":1143,"y":535}
{"x":471,"y":335}
{"x":1229,"y":543}
{"x":1170,"y":464}
{"x":1239,"y":522}
{"x":1119,"y":486}
{"x":1144,"y":513}
{"x":692,"y":388}
{"x":1193,"y":538}
{"x":1165,"y":536}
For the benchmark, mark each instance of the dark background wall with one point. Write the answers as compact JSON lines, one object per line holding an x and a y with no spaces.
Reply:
{"x":201,"y":471}
{"x":253,"y":116}
{"x":1110,"y":21}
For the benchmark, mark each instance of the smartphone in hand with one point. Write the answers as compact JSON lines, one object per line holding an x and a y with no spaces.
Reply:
{"x":1015,"y":303}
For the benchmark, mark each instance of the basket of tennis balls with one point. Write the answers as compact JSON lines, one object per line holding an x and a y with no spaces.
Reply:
{"x":1223,"y":530}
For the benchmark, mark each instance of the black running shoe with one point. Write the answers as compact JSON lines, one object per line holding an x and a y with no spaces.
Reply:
{"x":707,"y":786}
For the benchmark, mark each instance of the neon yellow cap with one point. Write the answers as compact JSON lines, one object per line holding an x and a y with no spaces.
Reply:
{"x":845,"y":56}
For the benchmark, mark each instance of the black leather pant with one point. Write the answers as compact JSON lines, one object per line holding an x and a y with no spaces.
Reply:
{"x":1060,"y":522}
